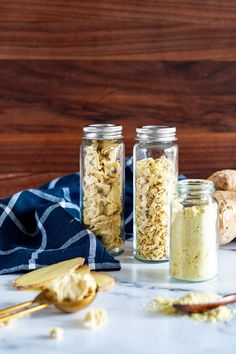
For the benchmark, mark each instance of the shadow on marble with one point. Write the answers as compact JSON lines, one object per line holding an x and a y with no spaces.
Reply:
{"x":77,"y":323}
{"x":147,"y":275}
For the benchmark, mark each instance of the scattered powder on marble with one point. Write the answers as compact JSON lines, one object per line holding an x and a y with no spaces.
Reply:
{"x":95,"y":318}
{"x":220,"y":314}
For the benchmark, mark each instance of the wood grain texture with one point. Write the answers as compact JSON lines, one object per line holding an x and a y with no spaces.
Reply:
{"x":68,"y":63}
{"x":124,"y":29}
{"x":60,"y":97}
{"x":30,"y":162}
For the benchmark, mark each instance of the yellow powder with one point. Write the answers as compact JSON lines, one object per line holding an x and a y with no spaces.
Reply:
{"x":220,"y":314}
{"x":72,"y":286}
{"x":193,"y":251}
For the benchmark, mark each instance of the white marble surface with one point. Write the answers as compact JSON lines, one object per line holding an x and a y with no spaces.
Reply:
{"x":130,"y":329}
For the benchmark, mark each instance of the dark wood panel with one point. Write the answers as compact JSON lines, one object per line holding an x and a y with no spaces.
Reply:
{"x":46,"y":155}
{"x":125,"y":30}
{"x":67,"y":63}
{"x":61,"y":96}
{"x":12,"y":182}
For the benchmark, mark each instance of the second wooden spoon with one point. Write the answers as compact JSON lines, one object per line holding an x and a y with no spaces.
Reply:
{"x":199,"y":308}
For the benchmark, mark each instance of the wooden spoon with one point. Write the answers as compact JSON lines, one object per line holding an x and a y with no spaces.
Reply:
{"x":199,"y":308}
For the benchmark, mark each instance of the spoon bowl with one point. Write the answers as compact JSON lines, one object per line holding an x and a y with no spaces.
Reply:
{"x":46,"y":297}
{"x":74,"y":306}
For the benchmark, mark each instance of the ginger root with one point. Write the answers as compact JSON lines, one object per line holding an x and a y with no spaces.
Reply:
{"x":224,"y":180}
{"x":225,"y":185}
{"x":226,"y":215}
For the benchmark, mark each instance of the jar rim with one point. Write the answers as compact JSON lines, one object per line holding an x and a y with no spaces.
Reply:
{"x":195,"y":186}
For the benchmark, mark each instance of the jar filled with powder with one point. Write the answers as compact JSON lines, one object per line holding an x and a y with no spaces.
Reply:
{"x":194,"y":232}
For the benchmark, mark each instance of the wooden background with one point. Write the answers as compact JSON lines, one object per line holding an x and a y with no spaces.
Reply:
{"x":64,"y":64}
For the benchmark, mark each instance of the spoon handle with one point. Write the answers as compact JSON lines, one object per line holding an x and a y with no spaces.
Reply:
{"x":16,"y":307}
{"x":228,"y":299}
{"x":199,"y":308}
{"x":21,"y":313}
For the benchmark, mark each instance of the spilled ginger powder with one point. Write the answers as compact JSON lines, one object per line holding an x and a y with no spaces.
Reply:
{"x":220,"y":314}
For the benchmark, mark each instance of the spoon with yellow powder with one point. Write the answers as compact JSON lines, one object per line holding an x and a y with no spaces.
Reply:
{"x":70,"y":293}
{"x":204,"y":307}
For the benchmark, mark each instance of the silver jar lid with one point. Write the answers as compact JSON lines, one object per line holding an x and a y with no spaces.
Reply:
{"x":156,"y":133}
{"x":102,"y":131}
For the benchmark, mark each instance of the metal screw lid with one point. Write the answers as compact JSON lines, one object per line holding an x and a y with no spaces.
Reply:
{"x":156,"y":133}
{"x":102,"y":131}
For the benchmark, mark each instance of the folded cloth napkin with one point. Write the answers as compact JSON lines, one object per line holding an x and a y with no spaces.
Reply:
{"x":42,"y":226}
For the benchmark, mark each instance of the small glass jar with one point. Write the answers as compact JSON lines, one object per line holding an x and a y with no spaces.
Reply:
{"x":194,"y":232}
{"x":102,"y":184}
{"x":155,"y":176}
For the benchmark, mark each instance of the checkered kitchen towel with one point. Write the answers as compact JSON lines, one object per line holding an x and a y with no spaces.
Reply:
{"x":42,"y":226}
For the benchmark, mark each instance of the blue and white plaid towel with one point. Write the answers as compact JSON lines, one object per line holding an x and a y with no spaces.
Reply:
{"x":42,"y":226}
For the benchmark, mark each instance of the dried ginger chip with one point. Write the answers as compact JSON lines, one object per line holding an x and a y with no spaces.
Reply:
{"x":56,"y":333}
{"x":95,"y":318}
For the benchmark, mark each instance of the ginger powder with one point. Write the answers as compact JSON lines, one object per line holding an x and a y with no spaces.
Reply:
{"x":194,"y":233}
{"x":220,"y":314}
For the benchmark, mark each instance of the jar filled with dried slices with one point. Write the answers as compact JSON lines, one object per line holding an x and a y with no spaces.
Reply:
{"x":102,"y":184}
{"x":155,"y":177}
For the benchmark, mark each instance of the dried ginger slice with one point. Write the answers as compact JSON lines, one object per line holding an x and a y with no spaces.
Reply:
{"x":39,"y":278}
{"x":104,"y":281}
{"x":155,"y":179}
{"x":102,"y":209}
{"x":38,"y":281}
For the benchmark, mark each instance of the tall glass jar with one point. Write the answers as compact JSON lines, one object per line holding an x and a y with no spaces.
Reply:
{"x":102,"y":184}
{"x":194,"y":232}
{"x":155,"y":176}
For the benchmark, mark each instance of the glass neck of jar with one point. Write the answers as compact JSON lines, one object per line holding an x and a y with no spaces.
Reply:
{"x":88,"y":141}
{"x":195,"y":189}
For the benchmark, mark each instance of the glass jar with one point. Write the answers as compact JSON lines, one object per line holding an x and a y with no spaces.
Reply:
{"x":102,"y":184}
{"x":194,"y":232}
{"x":155,"y":176}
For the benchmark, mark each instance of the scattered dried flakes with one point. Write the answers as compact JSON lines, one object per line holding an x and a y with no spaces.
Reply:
{"x":220,"y":314}
{"x":155,"y":181}
{"x":102,"y":201}
{"x":4,"y":323}
{"x":95,"y":318}
{"x":56,"y":332}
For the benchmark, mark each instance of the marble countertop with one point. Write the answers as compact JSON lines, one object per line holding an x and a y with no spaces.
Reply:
{"x":130,"y":328}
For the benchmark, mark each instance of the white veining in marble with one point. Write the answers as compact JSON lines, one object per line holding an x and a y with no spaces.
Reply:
{"x":130,"y":329}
